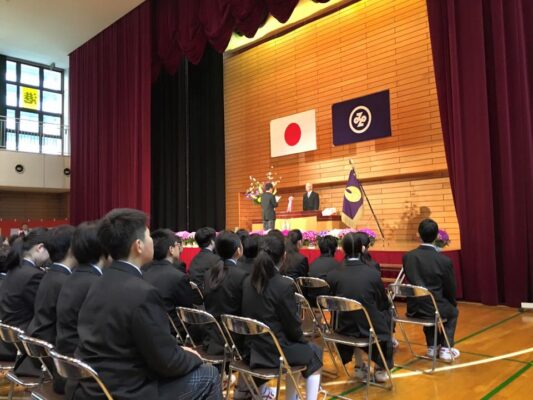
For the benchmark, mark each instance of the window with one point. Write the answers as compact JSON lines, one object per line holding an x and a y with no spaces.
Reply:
{"x":33,"y":108}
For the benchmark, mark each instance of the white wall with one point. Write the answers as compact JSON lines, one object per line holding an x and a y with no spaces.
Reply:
{"x":41,"y":171}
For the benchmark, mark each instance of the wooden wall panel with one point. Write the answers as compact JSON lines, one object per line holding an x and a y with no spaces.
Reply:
{"x":370,"y":46}
{"x":33,"y":205}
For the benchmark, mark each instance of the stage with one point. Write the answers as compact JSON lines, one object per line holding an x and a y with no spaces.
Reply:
{"x":389,"y":256}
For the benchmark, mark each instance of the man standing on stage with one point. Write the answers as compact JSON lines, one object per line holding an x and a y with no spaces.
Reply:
{"x":268,"y":203}
{"x":311,"y":199}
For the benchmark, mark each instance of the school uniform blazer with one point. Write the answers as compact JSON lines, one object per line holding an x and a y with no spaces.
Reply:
{"x":246,"y":265}
{"x":299,"y":266}
{"x":268,"y":204}
{"x":358,"y":281}
{"x":19,"y":292}
{"x":322,"y":266}
{"x":173,"y":286}
{"x":225,"y":299}
{"x":200,"y":264}
{"x":312,"y":202}
{"x":43,"y":324}
{"x":8,"y":352}
{"x":277,"y":308}
{"x":426,"y":267}
{"x":124,"y":336}
{"x":69,"y":303}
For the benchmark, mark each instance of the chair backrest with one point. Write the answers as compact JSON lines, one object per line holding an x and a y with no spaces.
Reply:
{"x":307,"y":314}
{"x":175,"y":328}
{"x":311,"y":282}
{"x":412,"y":291}
{"x":10,"y":334}
{"x":192,"y":316}
{"x":36,"y":348}
{"x":72,"y":368}
{"x":336,"y":304}
{"x":197,"y":290}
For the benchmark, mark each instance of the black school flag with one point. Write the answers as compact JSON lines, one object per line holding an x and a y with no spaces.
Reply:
{"x":352,"y":204}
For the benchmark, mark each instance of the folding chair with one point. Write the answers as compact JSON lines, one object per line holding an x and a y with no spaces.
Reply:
{"x":179,"y":338}
{"x":251,"y":327}
{"x":10,"y":334}
{"x":72,"y":368}
{"x":40,"y":349}
{"x":192,"y":317}
{"x":336,"y":304}
{"x":6,"y":366}
{"x":199,"y":295}
{"x":411,"y":291}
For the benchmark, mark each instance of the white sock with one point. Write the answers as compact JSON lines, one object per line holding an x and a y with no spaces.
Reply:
{"x":291,"y":393}
{"x":312,"y":386}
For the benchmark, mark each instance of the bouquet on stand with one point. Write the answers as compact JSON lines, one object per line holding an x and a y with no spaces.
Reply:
{"x":256,"y":187}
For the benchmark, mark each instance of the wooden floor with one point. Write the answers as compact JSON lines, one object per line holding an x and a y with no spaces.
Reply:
{"x":483,"y":333}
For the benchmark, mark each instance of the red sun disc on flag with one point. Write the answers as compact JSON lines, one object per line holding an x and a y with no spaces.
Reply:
{"x":293,"y":133}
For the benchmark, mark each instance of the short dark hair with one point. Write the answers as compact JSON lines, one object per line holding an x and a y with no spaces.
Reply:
{"x":328,"y":245}
{"x":58,"y":242}
{"x":268,"y":186}
{"x":352,"y":244}
{"x":204,"y":236}
{"x":163,"y":240}
{"x":250,"y":246}
{"x":428,"y":230}
{"x":85,"y":244}
{"x":227,"y":244}
{"x":276,"y":233}
{"x":242,"y":234}
{"x":119,"y":229}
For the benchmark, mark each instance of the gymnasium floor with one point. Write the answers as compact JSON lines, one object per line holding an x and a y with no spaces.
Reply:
{"x":483,"y":333}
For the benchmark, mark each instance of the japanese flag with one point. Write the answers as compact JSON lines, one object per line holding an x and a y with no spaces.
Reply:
{"x":293,"y":134}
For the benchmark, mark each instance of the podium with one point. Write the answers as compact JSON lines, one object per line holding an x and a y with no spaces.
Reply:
{"x":303,"y":220}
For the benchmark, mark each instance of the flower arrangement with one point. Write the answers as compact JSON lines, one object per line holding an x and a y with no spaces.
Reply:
{"x":187,"y":238}
{"x":443,"y":239}
{"x":255,"y":188}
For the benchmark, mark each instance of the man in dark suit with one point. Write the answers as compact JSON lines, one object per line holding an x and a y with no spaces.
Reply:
{"x":311,"y":200}
{"x":123,"y":327}
{"x":91,"y":257}
{"x":426,"y":267}
{"x":172,"y":284}
{"x":205,"y":259}
{"x":268,"y":203}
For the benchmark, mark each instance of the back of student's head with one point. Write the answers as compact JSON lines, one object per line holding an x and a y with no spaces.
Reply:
{"x":4,"y":252}
{"x":250,"y":246}
{"x":12,"y":238}
{"x":164,"y":239}
{"x":227,"y":244}
{"x":293,"y":238}
{"x":276,"y":233}
{"x":85,"y":245}
{"x":271,"y":252}
{"x":292,"y":247}
{"x":327,"y":245}
{"x":242,"y":234}
{"x":119,"y":229}
{"x":204,"y":236}
{"x":352,"y":244}
{"x":428,"y":230}
{"x":58,"y":242}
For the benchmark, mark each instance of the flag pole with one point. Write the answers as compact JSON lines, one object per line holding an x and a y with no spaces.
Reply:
{"x":367,"y":200}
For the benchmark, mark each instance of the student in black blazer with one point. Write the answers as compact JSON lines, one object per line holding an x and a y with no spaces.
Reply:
{"x":205,"y":259}
{"x":295,"y":264}
{"x":173,"y":285}
{"x":311,"y":200}
{"x":323,"y":265}
{"x":268,"y":204}
{"x":269,"y":297}
{"x":426,"y":267}
{"x":250,"y":247}
{"x":223,"y":286}
{"x":123,"y":327}
{"x":361,"y":282}
{"x":91,"y":258}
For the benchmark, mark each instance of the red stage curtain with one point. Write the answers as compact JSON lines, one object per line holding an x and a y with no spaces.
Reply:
{"x":483,"y":57}
{"x":110,"y":87}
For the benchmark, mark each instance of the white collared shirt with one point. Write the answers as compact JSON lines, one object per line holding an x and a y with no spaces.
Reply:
{"x":234,"y":262}
{"x":30,"y":261}
{"x":429,"y":245}
{"x":65,"y":267}
{"x":353,"y":259}
{"x":98,"y":269}
{"x":133,"y":265}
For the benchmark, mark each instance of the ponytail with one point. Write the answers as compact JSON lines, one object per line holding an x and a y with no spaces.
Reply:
{"x":216,"y":275}
{"x":270,"y":254}
{"x":352,"y":245}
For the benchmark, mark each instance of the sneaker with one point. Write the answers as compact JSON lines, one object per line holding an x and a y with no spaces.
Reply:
{"x":381,"y":376}
{"x":432,"y":350}
{"x":268,"y":393}
{"x":446,"y":353}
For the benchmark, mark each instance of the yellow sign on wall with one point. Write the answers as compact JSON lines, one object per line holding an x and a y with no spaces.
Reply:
{"x":29,"y":98}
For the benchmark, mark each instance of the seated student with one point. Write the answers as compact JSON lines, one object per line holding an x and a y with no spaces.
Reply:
{"x":91,"y":258}
{"x":250,"y":247}
{"x":242,"y":234}
{"x":7,"y":351}
{"x":426,"y":267}
{"x":172,"y":284}
{"x":295,"y":264}
{"x":223,"y":286}
{"x":123,"y":327}
{"x":358,"y":281}
{"x":322,"y":265}
{"x":366,"y":257}
{"x":206,"y":258}
{"x":269,"y":297}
